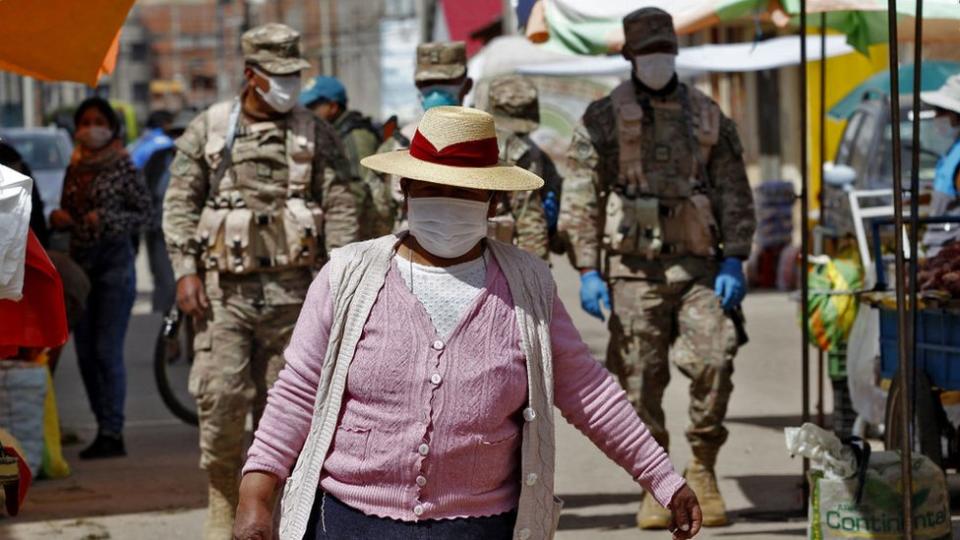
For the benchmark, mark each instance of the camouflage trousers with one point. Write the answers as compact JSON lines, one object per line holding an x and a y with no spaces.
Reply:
{"x":238,"y":356}
{"x":653,"y":322}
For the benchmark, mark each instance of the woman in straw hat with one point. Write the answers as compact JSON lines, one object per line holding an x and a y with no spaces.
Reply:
{"x":417,"y":399}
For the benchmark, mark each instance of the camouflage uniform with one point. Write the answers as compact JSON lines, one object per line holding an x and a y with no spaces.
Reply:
{"x":359,"y":141}
{"x":512,"y":100}
{"x":665,"y":304}
{"x":239,"y":345}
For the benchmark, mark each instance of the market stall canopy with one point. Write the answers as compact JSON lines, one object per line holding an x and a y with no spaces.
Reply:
{"x":592,"y":27}
{"x":865,"y":21}
{"x":933,"y":74}
{"x":738,"y":57}
{"x":61,"y":40}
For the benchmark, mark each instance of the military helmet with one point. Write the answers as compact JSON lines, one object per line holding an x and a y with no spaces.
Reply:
{"x":513,"y":102}
{"x":275,"y":48}
{"x":441,"y":61}
{"x":647,"y":30}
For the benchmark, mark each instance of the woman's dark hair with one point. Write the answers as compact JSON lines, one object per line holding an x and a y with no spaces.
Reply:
{"x":104,"y":107}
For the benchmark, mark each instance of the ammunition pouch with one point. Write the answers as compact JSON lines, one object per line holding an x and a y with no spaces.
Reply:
{"x":633,"y":226}
{"x":502,"y":228}
{"x":240,"y":241}
{"x":689,"y":227}
{"x":660,"y":228}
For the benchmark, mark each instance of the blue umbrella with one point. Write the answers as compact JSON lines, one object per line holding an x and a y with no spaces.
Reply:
{"x":935,"y":73}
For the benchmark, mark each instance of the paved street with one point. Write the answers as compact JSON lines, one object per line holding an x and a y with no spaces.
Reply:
{"x":158,"y":492}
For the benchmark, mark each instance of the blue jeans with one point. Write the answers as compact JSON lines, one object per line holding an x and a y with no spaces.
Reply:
{"x":100,"y":333}
{"x":331,"y":519}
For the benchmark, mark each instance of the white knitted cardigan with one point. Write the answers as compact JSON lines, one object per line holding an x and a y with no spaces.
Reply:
{"x":357,"y":274}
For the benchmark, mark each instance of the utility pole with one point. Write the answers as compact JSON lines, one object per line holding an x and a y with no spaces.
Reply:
{"x":28,"y":97}
{"x":175,"y":43}
{"x":509,"y":18}
{"x":326,"y":37}
{"x":221,"y":52}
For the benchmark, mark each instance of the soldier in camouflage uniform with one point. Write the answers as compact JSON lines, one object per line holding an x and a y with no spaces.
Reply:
{"x":659,"y":195}
{"x":327,"y":98}
{"x":441,"y":78}
{"x":258,"y":193}
{"x":531,"y":217}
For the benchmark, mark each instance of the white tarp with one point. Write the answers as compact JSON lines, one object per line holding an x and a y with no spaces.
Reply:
{"x":15,"y":190}
{"x":736,"y":57}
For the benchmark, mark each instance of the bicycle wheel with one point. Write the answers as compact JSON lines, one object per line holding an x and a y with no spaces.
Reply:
{"x":172,"y":359}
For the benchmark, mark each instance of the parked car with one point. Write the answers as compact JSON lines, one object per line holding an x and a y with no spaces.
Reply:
{"x":864,"y":160}
{"x":47,"y":151}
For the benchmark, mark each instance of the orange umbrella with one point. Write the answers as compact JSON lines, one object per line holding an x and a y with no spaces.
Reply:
{"x":61,"y":40}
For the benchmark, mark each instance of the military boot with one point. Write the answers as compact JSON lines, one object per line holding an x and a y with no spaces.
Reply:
{"x":703,"y":481}
{"x":222,"y":505}
{"x":652,"y":515}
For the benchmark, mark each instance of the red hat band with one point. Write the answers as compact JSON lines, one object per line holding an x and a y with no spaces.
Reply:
{"x":478,"y":153}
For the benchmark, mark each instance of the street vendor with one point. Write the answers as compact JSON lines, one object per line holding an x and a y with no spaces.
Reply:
{"x":945,"y":201}
{"x":417,"y":398}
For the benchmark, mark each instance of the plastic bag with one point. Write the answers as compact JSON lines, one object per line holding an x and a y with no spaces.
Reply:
{"x":23,"y":389}
{"x":863,"y":365}
{"x":15,"y":190}
{"x":823,"y":449}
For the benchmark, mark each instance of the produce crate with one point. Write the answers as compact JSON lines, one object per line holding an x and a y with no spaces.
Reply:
{"x":938,"y":346}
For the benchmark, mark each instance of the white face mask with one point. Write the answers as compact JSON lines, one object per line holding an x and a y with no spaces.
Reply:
{"x":943,"y":126}
{"x":447,"y":227}
{"x":655,"y":70}
{"x":284,"y":91}
{"x":94,"y":137}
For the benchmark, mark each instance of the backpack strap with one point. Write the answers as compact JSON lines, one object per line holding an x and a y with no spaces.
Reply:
{"x":629,"y":117}
{"x":216,"y":124}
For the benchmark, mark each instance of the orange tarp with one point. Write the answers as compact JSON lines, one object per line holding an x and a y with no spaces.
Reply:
{"x":61,"y":40}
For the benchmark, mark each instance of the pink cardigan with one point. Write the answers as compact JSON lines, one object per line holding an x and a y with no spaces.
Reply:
{"x":429,"y":429}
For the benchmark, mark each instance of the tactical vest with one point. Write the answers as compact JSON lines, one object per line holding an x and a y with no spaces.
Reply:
{"x":263,"y":214}
{"x":658,"y":206}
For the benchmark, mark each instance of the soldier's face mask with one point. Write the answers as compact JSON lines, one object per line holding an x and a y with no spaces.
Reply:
{"x":283,"y":93}
{"x":438,"y":95}
{"x":447,"y":227}
{"x":656,"y":69}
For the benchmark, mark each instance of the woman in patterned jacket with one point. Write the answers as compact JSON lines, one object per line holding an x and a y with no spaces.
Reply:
{"x":103,"y":202}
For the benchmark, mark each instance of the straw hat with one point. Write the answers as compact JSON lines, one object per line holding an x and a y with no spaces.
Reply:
{"x":455,"y":146}
{"x":946,"y":97}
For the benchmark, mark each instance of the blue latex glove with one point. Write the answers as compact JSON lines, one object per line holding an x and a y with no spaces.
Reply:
{"x":730,"y":284}
{"x":592,"y":290}
{"x":551,"y":208}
